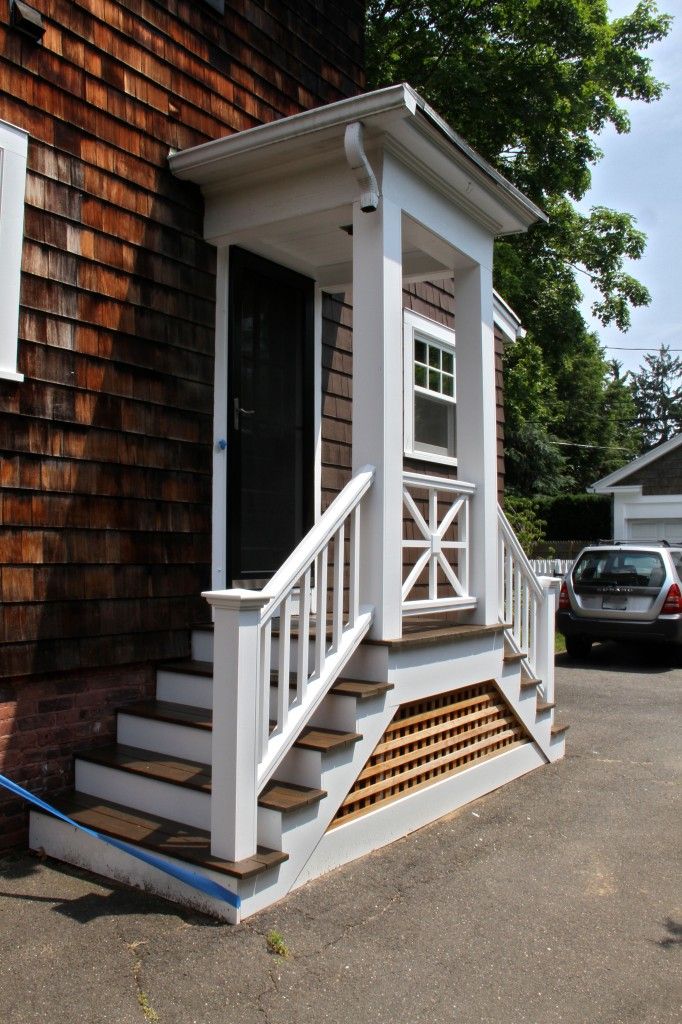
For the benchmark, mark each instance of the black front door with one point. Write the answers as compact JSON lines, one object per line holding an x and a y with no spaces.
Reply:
{"x":270,"y":411}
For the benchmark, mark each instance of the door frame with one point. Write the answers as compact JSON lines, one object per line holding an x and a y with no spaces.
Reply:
{"x":219,"y":545}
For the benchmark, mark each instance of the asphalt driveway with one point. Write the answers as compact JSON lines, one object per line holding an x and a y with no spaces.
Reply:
{"x":555,"y":899}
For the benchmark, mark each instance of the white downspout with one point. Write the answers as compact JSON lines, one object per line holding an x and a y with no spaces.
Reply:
{"x":360,"y":165}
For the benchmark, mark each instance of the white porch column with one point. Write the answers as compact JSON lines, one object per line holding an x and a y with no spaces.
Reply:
{"x":377,"y":406}
{"x":477,"y":429}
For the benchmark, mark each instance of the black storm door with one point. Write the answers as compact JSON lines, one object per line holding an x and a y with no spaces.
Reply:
{"x":270,"y":411}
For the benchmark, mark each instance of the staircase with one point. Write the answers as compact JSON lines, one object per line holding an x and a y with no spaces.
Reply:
{"x":290,"y":743}
{"x":153,"y":787}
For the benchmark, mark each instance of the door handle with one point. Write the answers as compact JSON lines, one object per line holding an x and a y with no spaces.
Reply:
{"x":238,"y":412}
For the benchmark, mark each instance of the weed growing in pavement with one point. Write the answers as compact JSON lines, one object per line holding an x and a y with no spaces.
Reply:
{"x":276,"y":943}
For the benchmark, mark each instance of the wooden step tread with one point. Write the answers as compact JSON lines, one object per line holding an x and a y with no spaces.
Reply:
{"x":422,"y":633}
{"x":530,"y":684}
{"x":188,"y":667}
{"x":513,"y":658}
{"x":545,"y":706}
{"x":311,"y":738}
{"x":557,"y":730}
{"x":175,"y":770}
{"x":277,"y":795}
{"x":162,"y":836}
{"x":287,"y":797}
{"x":359,"y":688}
{"x":325,"y":740}
{"x":168,"y":711}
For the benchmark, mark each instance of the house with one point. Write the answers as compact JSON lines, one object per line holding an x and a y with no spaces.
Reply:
{"x":647,"y":494}
{"x":256,"y":578}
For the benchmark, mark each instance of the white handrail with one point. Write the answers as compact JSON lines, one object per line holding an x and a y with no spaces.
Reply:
{"x":317,"y":538}
{"x":526,"y":607}
{"x":432,"y":527}
{"x":273,"y":665}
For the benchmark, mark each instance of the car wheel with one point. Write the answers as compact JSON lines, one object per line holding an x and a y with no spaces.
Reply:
{"x":578,"y":647}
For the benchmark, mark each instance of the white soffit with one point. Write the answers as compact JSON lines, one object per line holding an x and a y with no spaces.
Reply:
{"x":395,"y":118}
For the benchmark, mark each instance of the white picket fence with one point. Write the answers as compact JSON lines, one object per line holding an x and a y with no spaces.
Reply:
{"x":551,"y":566}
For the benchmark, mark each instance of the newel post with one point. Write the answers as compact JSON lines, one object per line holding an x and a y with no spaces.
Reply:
{"x":544,"y":660}
{"x":236,"y":711}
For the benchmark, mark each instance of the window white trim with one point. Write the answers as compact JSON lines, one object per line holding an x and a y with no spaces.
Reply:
{"x":13,"y":151}
{"x":416,"y":327}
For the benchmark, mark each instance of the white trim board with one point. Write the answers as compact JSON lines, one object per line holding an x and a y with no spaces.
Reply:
{"x":13,"y":154}
{"x":397,"y":819}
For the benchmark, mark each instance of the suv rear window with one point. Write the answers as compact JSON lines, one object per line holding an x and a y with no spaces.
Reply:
{"x":626,"y":567}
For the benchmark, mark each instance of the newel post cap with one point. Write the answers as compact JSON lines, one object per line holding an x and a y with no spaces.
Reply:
{"x":236,"y":600}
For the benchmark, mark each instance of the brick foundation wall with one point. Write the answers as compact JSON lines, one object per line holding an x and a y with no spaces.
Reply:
{"x":45,"y":720}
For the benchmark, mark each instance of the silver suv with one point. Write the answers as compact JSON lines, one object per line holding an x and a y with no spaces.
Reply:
{"x":621,"y":591}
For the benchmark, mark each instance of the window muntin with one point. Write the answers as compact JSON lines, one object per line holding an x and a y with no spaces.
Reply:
{"x":430,"y":390}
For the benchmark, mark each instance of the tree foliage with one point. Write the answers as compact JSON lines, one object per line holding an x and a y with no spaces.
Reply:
{"x":657,"y":393}
{"x":531,"y":84}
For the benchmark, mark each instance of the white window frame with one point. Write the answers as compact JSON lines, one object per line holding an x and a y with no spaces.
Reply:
{"x":13,"y":152}
{"x":421,"y":328}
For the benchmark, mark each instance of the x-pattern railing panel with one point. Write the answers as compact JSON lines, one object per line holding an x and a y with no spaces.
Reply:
{"x":449,"y":500}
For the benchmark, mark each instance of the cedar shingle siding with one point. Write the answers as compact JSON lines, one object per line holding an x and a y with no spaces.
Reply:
{"x":107,"y":444}
{"x":662,"y":476}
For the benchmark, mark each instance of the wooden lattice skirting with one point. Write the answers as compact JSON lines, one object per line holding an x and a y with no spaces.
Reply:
{"x":432,"y":738}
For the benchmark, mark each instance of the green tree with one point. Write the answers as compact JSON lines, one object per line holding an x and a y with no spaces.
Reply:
{"x":657,"y":393}
{"x":531,"y":84}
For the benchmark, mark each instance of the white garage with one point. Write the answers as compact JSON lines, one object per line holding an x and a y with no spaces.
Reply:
{"x":647,"y":495}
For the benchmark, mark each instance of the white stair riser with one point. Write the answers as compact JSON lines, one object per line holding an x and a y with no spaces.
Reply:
{"x":202,"y":645}
{"x":165,"y":737}
{"x":276,"y":830}
{"x":183,"y":688}
{"x":557,"y":747}
{"x":336,"y":712}
{"x":302,"y":767}
{"x":153,"y":796}
{"x":64,"y":842}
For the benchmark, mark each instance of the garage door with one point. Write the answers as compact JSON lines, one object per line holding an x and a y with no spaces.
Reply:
{"x":654,"y":529}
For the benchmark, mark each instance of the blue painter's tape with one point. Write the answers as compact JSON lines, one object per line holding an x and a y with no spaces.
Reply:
{"x":191,"y":878}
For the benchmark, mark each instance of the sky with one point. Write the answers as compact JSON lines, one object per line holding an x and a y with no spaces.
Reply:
{"x":641,"y":173}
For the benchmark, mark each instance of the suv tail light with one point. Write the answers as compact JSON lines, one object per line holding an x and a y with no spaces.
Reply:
{"x":564,"y":601}
{"x":673,"y":602}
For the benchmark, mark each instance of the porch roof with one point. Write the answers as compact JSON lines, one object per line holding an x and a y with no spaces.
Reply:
{"x":396,"y":119}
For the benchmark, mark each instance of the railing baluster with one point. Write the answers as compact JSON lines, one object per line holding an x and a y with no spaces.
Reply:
{"x":321,"y":612}
{"x":303,"y":638}
{"x":433,"y":526}
{"x":283,"y":663}
{"x":354,"y":568}
{"x":528,"y":605}
{"x":264,"y":689}
{"x":337,"y":595}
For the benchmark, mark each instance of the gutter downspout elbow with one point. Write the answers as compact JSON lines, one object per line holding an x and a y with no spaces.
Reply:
{"x":360,"y":165}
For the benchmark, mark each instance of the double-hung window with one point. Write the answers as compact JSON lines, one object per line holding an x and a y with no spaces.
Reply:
{"x":13,"y":150}
{"x":430,"y":390}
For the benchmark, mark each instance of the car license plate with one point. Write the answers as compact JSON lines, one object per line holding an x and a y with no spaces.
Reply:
{"x":615,"y":604}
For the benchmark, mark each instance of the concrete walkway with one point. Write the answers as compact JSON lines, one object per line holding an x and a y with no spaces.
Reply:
{"x":556,"y":899}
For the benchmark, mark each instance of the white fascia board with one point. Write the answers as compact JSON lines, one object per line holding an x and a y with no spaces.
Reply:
{"x":506,"y":319}
{"x":396,"y":117}
{"x":606,"y":484}
{"x":209,"y":161}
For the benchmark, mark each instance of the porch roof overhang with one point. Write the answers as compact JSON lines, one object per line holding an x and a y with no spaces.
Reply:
{"x":286,"y":188}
